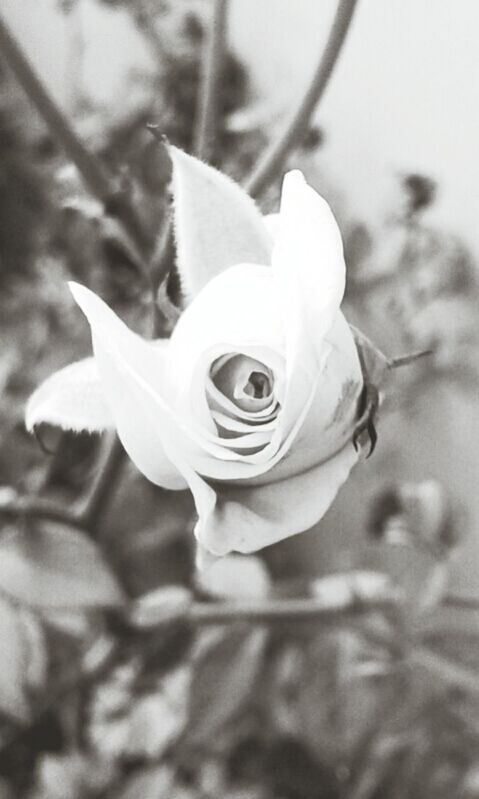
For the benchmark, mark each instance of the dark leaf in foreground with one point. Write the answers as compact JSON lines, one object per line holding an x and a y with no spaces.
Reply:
{"x":54,"y":567}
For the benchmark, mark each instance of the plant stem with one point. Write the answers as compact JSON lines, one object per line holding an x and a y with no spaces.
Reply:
{"x":275,"y":156}
{"x":110,"y":462}
{"x":207,"y":116}
{"x":281,"y":611}
{"x":39,"y":508}
{"x":96,"y":178}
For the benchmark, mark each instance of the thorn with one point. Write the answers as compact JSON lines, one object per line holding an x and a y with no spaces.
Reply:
{"x":405,"y":360}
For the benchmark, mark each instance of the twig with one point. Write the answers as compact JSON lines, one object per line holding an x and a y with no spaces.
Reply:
{"x":96,"y":178}
{"x":282,"y":611}
{"x":275,"y":156}
{"x":39,"y":508}
{"x":206,"y":124}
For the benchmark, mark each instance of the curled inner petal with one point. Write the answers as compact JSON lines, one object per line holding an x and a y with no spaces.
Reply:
{"x":242,"y":401}
{"x":245,"y":381}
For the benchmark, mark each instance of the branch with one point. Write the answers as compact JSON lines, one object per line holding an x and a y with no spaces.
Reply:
{"x":96,"y":178}
{"x":275,"y":156}
{"x":38,"y":508}
{"x":282,"y":611}
{"x":206,"y":124}
{"x":110,"y":463}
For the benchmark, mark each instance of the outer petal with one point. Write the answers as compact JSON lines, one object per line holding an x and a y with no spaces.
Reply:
{"x":246,"y":519}
{"x":72,"y":399}
{"x":217,"y":224}
{"x":332,"y":415}
{"x":308,"y":261}
{"x":139,"y":437}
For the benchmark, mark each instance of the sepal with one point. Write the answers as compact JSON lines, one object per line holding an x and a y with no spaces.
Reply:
{"x":72,"y":399}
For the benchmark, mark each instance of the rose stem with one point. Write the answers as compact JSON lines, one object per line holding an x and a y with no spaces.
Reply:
{"x":273,"y":159}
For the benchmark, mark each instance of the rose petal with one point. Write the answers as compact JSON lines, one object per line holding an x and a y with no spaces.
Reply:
{"x":237,"y":311}
{"x":330,"y":421}
{"x":140,"y":439}
{"x":155,"y":436}
{"x":246,"y":519}
{"x":72,"y":399}
{"x":217,"y":224}
{"x":308,"y":260}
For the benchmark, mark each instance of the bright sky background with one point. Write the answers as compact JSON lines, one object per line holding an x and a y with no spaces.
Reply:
{"x":405,"y":95}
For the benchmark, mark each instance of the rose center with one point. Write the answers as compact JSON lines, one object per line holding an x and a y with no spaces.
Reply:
{"x":244,"y":381}
{"x":258,"y":386}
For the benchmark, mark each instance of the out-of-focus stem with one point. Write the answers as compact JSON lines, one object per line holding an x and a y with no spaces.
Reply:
{"x":111,"y":460}
{"x":206,"y":124}
{"x":274,"y":157}
{"x":96,"y":178}
{"x":281,"y":611}
{"x":207,"y":115}
{"x":39,"y":508}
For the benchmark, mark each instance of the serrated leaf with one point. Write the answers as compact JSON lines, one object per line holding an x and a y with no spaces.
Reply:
{"x":14,"y":657}
{"x":217,"y":224}
{"x":224,"y":679}
{"x":55,"y":567}
{"x":72,"y":399}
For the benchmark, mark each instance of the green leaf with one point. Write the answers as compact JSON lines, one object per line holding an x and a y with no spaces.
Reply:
{"x":217,"y":224}
{"x":71,"y":399}
{"x":224,"y":679}
{"x":55,"y":567}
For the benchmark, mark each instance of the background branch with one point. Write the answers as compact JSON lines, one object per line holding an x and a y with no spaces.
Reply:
{"x":93,"y":172}
{"x":274,"y":157}
{"x":213,"y":57}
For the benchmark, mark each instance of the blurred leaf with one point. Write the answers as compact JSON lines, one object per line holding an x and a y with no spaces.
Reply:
{"x":35,"y":644}
{"x":154,"y":783}
{"x":345,"y":688}
{"x":224,"y":679}
{"x":446,"y":670}
{"x":71,"y":399}
{"x":217,"y":224}
{"x":14,"y":658}
{"x":54,"y":567}
{"x":341,"y":590}
{"x":153,"y":725}
{"x":165,"y":604}
{"x":235,"y":577}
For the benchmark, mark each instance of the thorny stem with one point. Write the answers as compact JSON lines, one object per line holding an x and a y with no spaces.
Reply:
{"x":274,"y":157}
{"x":206,"y":124}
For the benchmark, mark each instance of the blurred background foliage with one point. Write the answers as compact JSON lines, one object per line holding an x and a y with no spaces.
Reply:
{"x":97,"y":701}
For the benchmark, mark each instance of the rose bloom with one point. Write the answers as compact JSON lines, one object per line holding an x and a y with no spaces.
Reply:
{"x":252,"y":402}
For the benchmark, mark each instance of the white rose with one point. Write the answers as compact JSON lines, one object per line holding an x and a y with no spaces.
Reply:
{"x":253,"y":400}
